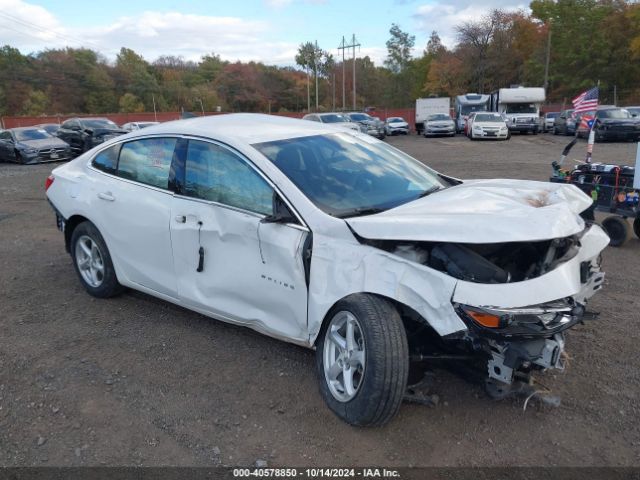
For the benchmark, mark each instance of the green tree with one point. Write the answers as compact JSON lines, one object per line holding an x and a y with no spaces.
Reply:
{"x":399,"y":49}
{"x":129,"y":103}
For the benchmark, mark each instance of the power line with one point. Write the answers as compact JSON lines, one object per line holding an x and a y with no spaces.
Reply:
{"x":62,"y":36}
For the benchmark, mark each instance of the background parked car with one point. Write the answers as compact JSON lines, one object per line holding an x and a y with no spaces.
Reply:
{"x":468,"y":122}
{"x":32,"y":145}
{"x":51,"y":128}
{"x":85,"y":133}
{"x":565,"y":123}
{"x":634,"y":111}
{"x":368,"y":124}
{"x":439,"y":124}
{"x":488,"y":125}
{"x":396,"y":126}
{"x":339,"y":119}
{"x":548,"y":121}
{"x":612,"y":123}
{"x":132,"y":126}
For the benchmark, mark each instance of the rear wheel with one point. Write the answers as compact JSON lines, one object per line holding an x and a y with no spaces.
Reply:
{"x":636,"y":227}
{"x":362,"y":360}
{"x":617,"y":229}
{"x":92,"y":262}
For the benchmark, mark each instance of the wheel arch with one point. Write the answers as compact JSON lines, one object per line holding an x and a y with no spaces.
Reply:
{"x":407,"y":313}
{"x":69,"y":226}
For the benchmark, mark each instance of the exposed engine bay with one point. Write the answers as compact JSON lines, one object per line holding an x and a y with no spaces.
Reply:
{"x":487,"y":263}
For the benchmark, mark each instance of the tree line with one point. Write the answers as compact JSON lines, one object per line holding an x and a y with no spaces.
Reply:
{"x":565,"y":45}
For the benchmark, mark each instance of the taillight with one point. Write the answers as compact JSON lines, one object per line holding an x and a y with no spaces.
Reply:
{"x":48,"y":182}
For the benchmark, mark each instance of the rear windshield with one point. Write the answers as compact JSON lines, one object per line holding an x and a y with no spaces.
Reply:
{"x":333,"y":118}
{"x":98,"y":123}
{"x":32,"y":134}
{"x":396,"y":120}
{"x":359,"y":117}
{"x":617,"y":113}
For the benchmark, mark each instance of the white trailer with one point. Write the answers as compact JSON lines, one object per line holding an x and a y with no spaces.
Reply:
{"x":467,"y":103}
{"x":520,"y":106}
{"x":430,"y":106}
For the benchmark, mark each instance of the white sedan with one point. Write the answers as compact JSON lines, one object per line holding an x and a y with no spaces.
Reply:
{"x":333,"y":240}
{"x":487,"y":125}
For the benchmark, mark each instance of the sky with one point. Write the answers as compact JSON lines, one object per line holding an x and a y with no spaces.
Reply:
{"x":268,"y":31}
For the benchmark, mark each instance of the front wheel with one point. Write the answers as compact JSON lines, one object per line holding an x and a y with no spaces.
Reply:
{"x":362,"y":360}
{"x":636,"y":227}
{"x":92,"y":262}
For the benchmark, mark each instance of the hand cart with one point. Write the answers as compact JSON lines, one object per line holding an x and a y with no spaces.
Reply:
{"x":612,"y":191}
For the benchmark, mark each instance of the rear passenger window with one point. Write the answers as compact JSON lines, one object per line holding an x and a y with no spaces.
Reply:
{"x":215,"y":173}
{"x":147,"y":161}
{"x":107,"y":160}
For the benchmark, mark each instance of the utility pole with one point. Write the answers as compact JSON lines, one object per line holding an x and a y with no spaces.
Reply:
{"x":343,"y":46}
{"x":316,"y":59}
{"x":546,"y":63}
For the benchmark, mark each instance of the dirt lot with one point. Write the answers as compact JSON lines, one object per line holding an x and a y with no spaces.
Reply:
{"x":137,"y":381}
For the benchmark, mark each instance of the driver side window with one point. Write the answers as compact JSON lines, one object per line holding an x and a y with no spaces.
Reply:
{"x":217,"y":174}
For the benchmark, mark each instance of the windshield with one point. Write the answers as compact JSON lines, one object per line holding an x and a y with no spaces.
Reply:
{"x":98,"y":123}
{"x":359,"y":117}
{"x":488,"y":117}
{"x":634,"y":110}
{"x":32,"y":134}
{"x":438,"y":116}
{"x":467,"y":109}
{"x":617,"y":113}
{"x":552,"y":114}
{"x":396,"y":120}
{"x":333,"y":118}
{"x":346,"y":176}
{"x":521,"y":108}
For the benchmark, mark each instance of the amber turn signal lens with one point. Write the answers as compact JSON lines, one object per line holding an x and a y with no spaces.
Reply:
{"x":484,"y":319}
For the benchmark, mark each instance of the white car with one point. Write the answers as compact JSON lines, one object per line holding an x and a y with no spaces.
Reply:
{"x":396,"y":126}
{"x":132,"y":126}
{"x":488,"y":125}
{"x":333,"y":240}
{"x":335,"y":119}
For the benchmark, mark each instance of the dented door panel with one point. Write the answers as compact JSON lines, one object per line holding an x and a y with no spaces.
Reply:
{"x":252,"y":272}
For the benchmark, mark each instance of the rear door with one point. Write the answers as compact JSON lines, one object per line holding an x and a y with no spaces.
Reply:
{"x":131,"y":202}
{"x":7,"y":147}
{"x":228,"y":263}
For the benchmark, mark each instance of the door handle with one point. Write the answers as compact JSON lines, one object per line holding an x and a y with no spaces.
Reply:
{"x":181,"y":218}
{"x":108,"y":196}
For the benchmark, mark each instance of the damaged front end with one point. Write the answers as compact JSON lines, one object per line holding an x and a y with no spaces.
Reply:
{"x":516,"y":299}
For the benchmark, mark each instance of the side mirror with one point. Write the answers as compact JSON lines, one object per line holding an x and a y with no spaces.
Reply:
{"x":281,"y":213}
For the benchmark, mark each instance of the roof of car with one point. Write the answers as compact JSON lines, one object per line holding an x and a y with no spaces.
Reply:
{"x":247,"y":128}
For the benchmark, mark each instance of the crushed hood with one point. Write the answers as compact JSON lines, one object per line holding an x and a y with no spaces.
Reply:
{"x":482,"y":211}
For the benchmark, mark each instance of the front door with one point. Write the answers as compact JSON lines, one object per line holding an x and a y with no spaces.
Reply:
{"x":228,"y":263}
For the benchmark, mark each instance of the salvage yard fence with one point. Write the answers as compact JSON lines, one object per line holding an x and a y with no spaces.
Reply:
{"x":121,"y":118}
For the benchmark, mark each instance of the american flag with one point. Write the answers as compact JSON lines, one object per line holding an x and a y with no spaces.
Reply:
{"x":586,"y":101}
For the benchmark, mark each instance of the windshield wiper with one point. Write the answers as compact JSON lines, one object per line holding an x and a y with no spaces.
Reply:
{"x":359,"y":212}
{"x":429,"y":191}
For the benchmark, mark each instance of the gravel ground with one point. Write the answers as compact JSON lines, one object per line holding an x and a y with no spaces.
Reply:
{"x":137,"y":381}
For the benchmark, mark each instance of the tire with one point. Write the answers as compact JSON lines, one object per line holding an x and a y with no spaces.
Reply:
{"x":99,"y":277}
{"x":380,"y":381}
{"x":555,"y":131}
{"x":636,"y":227}
{"x":617,"y":229}
{"x":19,"y":158}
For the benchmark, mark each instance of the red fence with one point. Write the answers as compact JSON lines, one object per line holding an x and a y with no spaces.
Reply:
{"x":122,"y":118}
